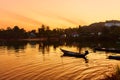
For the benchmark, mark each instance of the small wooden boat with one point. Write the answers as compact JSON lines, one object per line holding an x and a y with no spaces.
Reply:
{"x":114,"y":50}
{"x":74,"y":54}
{"x":114,"y":57}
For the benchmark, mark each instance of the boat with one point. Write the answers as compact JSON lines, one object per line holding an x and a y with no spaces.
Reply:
{"x":114,"y":57}
{"x":114,"y":50}
{"x":74,"y":54}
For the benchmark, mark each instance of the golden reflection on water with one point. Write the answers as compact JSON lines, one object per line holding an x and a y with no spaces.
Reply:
{"x":32,"y":63}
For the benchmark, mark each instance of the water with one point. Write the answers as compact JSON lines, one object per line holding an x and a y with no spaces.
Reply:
{"x":43,"y":61}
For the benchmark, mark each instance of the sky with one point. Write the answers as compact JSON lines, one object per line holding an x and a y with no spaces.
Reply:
{"x":31,"y":14}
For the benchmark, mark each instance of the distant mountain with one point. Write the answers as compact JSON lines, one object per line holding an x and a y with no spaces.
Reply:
{"x":107,"y":23}
{"x":99,"y":26}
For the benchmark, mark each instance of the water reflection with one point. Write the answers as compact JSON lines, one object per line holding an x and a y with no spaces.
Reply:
{"x":45,"y":46}
{"x":35,"y":60}
{"x":48,"y":47}
{"x":85,"y":58}
{"x":17,"y":46}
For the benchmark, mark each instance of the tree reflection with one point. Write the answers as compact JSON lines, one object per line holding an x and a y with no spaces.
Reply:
{"x":17,"y":46}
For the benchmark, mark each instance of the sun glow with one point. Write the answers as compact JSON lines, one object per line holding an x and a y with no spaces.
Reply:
{"x":31,"y":14}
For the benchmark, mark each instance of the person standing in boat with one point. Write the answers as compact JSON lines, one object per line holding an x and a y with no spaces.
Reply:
{"x":86,"y":52}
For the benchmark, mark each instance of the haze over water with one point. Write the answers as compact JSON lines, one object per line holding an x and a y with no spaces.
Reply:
{"x":43,"y":61}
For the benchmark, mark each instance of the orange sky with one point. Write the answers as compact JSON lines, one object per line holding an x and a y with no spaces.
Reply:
{"x":30,"y":14}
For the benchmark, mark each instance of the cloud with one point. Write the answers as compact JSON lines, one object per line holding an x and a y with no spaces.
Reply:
{"x":21,"y":18}
{"x":60,"y":17}
{"x":68,"y":20}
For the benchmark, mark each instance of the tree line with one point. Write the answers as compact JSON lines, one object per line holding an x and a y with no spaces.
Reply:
{"x":20,"y":33}
{"x":92,"y":32}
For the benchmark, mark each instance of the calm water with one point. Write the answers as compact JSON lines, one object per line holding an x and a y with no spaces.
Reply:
{"x":43,"y":61}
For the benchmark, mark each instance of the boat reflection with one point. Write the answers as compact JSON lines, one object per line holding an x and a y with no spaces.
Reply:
{"x":44,"y":61}
{"x":85,"y":58}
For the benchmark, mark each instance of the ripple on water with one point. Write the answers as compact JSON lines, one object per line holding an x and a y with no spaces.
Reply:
{"x":68,"y":69}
